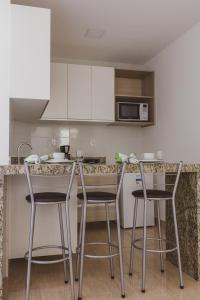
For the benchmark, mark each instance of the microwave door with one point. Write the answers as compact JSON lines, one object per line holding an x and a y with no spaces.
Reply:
{"x":128,"y":111}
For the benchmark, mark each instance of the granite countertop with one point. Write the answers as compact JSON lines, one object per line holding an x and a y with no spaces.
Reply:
{"x":62,"y":169}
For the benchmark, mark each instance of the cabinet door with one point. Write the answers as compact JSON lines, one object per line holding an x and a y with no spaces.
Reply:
{"x":57,"y":106}
{"x":30,"y":53}
{"x":103,"y":96}
{"x":79,"y":92}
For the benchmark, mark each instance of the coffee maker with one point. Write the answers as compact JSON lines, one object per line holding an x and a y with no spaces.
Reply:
{"x":65,"y":149}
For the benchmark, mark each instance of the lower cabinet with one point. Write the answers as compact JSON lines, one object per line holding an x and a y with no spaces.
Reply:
{"x":47,"y":228}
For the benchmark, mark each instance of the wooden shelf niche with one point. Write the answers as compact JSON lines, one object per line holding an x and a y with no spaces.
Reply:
{"x":136,"y":86}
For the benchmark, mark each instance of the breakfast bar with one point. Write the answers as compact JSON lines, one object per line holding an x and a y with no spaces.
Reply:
{"x":187,"y":204}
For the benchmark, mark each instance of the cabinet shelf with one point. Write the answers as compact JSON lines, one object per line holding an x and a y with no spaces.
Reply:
{"x":137,"y":123}
{"x":133,"y":96}
{"x":137,"y":87}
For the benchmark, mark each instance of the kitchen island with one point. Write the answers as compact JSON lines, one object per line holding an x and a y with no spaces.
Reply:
{"x":187,"y":203}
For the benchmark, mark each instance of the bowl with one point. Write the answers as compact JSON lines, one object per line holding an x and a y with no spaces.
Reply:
{"x":149,"y":156}
{"x":58,"y":155}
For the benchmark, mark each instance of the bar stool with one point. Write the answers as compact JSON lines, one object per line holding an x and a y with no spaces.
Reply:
{"x":50,"y":198}
{"x":157,"y":196}
{"x":99,"y":198}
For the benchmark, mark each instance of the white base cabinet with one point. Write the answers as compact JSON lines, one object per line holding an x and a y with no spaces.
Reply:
{"x":47,"y":229}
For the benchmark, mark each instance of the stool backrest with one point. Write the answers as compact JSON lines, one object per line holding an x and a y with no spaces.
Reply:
{"x":176,"y":174}
{"x":110,"y":181}
{"x":69,"y":182}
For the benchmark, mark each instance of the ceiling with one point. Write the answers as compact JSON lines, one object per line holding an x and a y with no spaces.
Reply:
{"x":135,"y":30}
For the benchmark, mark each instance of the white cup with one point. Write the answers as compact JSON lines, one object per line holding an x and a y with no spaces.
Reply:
{"x":58,"y":155}
{"x":159,"y":154}
{"x":148,"y":156}
{"x":79,"y":153}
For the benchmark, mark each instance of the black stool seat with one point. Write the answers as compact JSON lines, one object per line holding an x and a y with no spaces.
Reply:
{"x":98,"y":196}
{"x":152,"y":194}
{"x":47,"y":197}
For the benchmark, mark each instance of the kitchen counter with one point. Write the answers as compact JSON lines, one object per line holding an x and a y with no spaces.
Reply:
{"x":60,"y":169}
{"x":187,"y":203}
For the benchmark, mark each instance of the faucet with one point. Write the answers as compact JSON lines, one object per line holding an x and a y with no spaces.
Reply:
{"x":18,"y":150}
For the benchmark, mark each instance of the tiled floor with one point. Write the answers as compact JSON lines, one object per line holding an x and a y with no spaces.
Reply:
{"x":48,"y":284}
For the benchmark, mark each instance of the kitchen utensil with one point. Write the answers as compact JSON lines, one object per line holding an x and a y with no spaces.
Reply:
{"x":65,"y":149}
{"x":58,"y":155}
{"x":148,"y":156}
{"x":159,"y":154}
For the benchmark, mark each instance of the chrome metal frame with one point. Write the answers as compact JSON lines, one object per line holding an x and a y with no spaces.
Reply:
{"x":81,"y":246}
{"x":159,"y":239}
{"x":66,"y":252}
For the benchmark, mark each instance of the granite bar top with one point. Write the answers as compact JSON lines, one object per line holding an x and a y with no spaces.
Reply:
{"x":62,"y":169}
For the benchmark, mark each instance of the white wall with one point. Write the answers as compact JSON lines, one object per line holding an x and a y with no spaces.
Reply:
{"x":99,"y":140}
{"x":4,"y":80}
{"x":177,"y":91}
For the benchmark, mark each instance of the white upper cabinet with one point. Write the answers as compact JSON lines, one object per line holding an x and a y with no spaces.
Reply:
{"x":103,"y":96}
{"x":57,"y":106}
{"x":30,"y":53}
{"x":79,"y":92}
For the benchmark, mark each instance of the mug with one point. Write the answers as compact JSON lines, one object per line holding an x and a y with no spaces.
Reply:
{"x":159,"y":154}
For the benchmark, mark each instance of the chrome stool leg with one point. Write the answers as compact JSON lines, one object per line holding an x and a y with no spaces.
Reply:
{"x":82,"y":251}
{"x":160,"y":236}
{"x":120,"y":251}
{"x":62,"y":241}
{"x":69,"y":249}
{"x":31,"y":235}
{"x":79,"y":246}
{"x":109,"y":241}
{"x":144,"y":246}
{"x":177,"y":243}
{"x":133,"y":237}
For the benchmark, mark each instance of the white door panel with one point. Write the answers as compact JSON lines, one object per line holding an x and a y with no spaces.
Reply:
{"x":79,"y":92}
{"x":103,"y":96}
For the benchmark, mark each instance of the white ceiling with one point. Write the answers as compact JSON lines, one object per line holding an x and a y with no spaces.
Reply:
{"x":135,"y":30}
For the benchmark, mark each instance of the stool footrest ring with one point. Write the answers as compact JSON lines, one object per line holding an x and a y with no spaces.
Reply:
{"x":96,"y":256}
{"x":46,"y":262}
{"x":134,"y":243}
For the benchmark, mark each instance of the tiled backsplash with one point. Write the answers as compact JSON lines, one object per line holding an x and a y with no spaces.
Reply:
{"x":93,"y":140}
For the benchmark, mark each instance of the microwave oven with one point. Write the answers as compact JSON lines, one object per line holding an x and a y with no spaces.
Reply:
{"x":131,"y":111}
